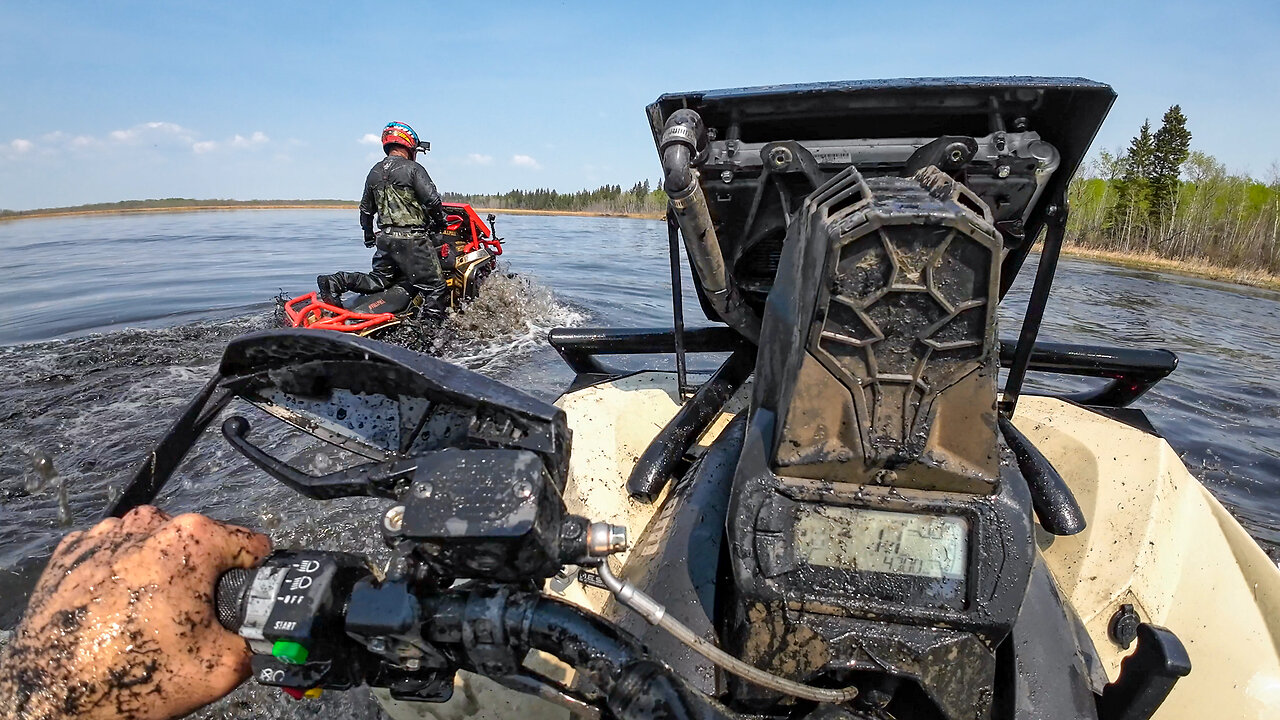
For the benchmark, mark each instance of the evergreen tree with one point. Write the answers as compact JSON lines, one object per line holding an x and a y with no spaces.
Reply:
{"x":1170,"y":147}
{"x":1132,"y":189}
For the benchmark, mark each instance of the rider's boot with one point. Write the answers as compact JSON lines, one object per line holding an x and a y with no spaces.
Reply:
{"x":435,"y":302}
{"x":332,"y":286}
{"x":330,"y":289}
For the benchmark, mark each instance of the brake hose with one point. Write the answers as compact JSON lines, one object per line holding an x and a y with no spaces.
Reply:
{"x":654,"y":612}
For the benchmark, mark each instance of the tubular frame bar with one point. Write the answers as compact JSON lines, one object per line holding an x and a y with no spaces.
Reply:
{"x":677,"y":302}
{"x":1048,"y":265}
{"x":1131,"y":371}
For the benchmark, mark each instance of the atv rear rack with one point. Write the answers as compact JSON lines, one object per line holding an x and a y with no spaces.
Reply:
{"x":308,"y":311}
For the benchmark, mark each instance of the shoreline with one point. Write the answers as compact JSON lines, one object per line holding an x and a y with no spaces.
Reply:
{"x":572,"y":213}
{"x":37,"y":215}
{"x":1136,"y":261}
{"x":1188,"y":268}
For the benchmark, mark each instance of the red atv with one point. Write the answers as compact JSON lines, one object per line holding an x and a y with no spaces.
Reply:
{"x":467,"y":257}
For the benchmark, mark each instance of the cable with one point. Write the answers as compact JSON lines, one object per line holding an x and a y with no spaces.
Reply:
{"x":653,"y":611}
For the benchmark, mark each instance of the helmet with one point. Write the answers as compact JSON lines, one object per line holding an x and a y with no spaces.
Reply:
{"x":398,"y":133}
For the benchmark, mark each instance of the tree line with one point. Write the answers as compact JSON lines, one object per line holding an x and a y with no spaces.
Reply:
{"x":639,"y":199}
{"x":1162,"y":198}
{"x":169,"y":203}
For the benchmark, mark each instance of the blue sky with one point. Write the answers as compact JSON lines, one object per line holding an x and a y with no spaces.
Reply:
{"x":107,"y":101}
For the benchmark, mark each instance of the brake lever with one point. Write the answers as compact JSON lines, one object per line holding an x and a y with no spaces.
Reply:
{"x":386,"y":479}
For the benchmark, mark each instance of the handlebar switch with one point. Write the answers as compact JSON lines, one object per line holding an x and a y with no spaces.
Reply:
{"x":290,"y":609}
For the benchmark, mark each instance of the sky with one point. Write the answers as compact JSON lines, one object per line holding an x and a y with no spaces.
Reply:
{"x":106,"y":101}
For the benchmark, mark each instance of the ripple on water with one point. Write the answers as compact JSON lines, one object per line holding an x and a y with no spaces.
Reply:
{"x":96,"y":404}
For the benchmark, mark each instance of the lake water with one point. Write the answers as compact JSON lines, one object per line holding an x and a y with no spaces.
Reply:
{"x":111,"y":322}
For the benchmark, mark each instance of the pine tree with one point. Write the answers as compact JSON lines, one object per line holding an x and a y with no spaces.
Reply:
{"x":1132,"y":189}
{"x":1170,"y":148}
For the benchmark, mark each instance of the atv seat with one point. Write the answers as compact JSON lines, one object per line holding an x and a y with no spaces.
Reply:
{"x":391,"y":300}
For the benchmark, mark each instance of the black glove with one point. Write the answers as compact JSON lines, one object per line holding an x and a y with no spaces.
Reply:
{"x":437,"y":223}
{"x":370,"y":239}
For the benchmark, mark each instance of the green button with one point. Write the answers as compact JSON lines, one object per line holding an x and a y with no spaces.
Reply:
{"x":289,"y":652}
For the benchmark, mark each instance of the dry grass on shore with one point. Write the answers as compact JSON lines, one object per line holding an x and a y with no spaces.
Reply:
{"x":1193,"y":268}
{"x":38,"y":215}
{"x":572,"y":213}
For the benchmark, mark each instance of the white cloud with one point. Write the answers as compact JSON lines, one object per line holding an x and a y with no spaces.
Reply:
{"x":153,"y":132}
{"x":241,"y":141}
{"x":237,"y":141}
{"x":479,"y":159}
{"x":156,"y":135}
{"x":370,"y":139}
{"x":525,"y":161}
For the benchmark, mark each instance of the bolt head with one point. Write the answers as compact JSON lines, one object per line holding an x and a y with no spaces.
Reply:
{"x":1123,"y":627}
{"x":523,"y":489}
{"x":1002,"y":171}
{"x":394,"y":519}
{"x":423,"y":489}
{"x":726,"y":176}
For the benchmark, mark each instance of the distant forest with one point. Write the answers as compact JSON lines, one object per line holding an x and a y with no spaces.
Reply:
{"x":640,"y":199}
{"x":163,"y":203}
{"x":1160,"y":197}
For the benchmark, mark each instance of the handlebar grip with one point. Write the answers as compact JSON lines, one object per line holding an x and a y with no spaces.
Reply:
{"x":229,"y":596}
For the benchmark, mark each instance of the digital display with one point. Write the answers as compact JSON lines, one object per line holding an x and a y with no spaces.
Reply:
{"x":858,"y":539}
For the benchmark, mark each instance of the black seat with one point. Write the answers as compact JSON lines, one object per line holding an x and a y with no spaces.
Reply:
{"x":391,"y":300}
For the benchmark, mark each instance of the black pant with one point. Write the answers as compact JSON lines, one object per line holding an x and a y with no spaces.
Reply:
{"x":400,"y":257}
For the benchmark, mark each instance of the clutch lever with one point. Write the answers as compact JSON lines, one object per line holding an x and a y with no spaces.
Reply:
{"x":387,"y":478}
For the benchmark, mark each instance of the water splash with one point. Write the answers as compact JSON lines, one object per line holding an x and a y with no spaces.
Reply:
{"x":65,"y":517}
{"x":509,"y":319}
{"x":42,"y":471}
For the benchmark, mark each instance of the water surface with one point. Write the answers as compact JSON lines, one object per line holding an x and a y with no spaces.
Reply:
{"x":112,"y":322}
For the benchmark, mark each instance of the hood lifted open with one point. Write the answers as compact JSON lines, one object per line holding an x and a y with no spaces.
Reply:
{"x":758,"y":152}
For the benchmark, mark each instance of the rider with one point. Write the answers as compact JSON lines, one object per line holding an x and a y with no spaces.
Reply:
{"x":400,"y":192}
{"x":122,"y":622}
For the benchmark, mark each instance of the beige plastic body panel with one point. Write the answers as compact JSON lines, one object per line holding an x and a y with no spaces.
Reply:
{"x":1157,"y":539}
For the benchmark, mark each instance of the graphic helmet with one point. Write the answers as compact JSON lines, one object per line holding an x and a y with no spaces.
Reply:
{"x":397,"y":133}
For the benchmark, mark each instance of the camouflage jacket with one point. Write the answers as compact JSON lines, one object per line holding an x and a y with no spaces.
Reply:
{"x":400,"y":192}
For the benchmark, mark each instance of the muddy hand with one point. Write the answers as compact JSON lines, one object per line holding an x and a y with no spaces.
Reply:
{"x":122,"y":622}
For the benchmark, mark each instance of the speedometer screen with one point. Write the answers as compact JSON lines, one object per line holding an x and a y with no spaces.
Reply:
{"x":931,"y":546}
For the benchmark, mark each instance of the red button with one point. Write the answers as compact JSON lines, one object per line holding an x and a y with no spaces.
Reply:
{"x":294,"y":693}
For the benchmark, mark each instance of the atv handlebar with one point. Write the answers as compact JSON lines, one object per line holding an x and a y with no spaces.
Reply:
{"x":321,"y":620}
